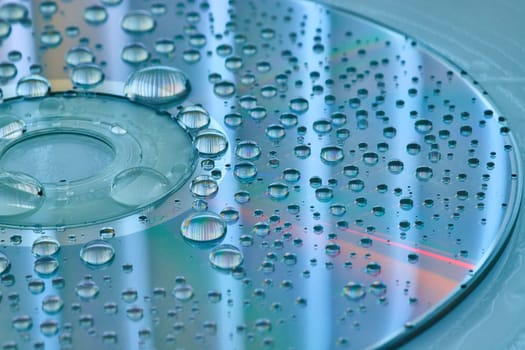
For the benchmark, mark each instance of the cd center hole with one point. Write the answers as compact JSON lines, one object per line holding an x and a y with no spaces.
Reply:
{"x":58,"y":157}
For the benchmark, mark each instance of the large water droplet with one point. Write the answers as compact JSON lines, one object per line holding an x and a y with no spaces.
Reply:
{"x":138,"y":22}
{"x":203,"y":227}
{"x":52,"y":304}
{"x":211,"y":143}
{"x":226,"y":257}
{"x":157,"y":85}
{"x":87,"y":75}
{"x":97,"y":253}
{"x":32,"y":86}
{"x":45,"y":246}
{"x":138,"y":186}
{"x":19,"y":194}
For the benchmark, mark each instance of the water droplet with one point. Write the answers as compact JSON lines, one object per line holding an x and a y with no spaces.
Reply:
{"x":138,"y":22}
{"x":245,"y":171}
{"x":299,"y":105}
{"x":424,"y":173}
{"x":135,"y":53}
{"x":13,"y":12}
{"x":275,"y":132}
{"x":373,"y":268}
{"x":194,"y":117}
{"x":36,"y":286}
{"x":46,"y":265}
{"x":50,"y":38}
{"x":87,"y":289}
{"x":45,"y":246}
{"x":183,"y":292}
{"x":225,"y":257}
{"x":354,"y":291}
{"x":378,"y":288}
{"x":332,"y":249}
{"x":211,"y":143}
{"x":135,"y":313}
{"x":5,"y":29}
{"x":97,"y":253}
{"x":191,"y":56}
{"x":48,"y":8}
{"x":32,"y":86}
{"x":278,"y":191}
{"x":204,"y":186}
{"x":164,"y":46}
{"x":138,"y":186}
{"x":157,"y":85}
{"x":22,"y":323}
{"x":7,"y":70}
{"x":332,"y":155}
{"x":11,"y":127}
{"x":20,"y":194}
{"x":224,"y":89}
{"x":78,"y":55}
{"x":230,"y":215}
{"x":370,"y":158}
{"x":203,"y":227}
{"x":49,"y":328}
{"x":95,"y":14}
{"x":423,"y":126}
{"x":52,"y":304}
{"x":248,"y":150}
{"x":5,"y":263}
{"x":87,"y":75}
{"x":233,"y":120}
{"x":396,"y":167}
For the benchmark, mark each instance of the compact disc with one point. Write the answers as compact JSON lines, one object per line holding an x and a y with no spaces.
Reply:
{"x":234,"y":174}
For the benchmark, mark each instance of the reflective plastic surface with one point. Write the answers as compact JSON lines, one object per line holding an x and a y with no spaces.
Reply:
{"x":350,"y":185}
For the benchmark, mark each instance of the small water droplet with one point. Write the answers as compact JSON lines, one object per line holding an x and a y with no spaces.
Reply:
{"x":139,"y":21}
{"x":87,"y":289}
{"x":78,"y":55}
{"x":46,"y":265}
{"x":45,"y":246}
{"x":211,"y":142}
{"x":7,"y":71}
{"x":204,"y":186}
{"x":226,"y":257}
{"x":332,"y":155}
{"x":183,"y":292}
{"x":97,"y":253}
{"x":203,"y":227}
{"x":52,"y":304}
{"x":224,"y":89}
{"x":194,"y":117}
{"x":354,"y":291}
{"x":87,"y":75}
{"x":95,"y":14}
{"x":135,"y":53}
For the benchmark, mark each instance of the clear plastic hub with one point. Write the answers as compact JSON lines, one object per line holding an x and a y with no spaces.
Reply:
{"x":87,"y":159}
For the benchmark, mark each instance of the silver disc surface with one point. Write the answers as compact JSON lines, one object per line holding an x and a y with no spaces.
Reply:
{"x":238,"y":175}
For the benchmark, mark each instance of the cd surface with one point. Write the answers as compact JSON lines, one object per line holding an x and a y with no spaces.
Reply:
{"x":238,"y":175}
